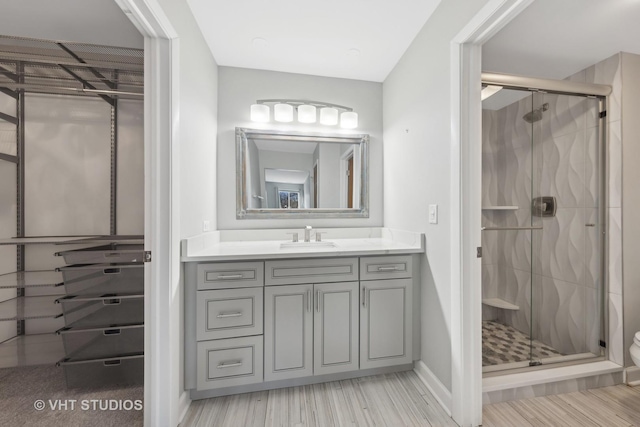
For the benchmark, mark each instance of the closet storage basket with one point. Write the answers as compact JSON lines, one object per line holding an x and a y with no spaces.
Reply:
{"x":96,"y":343}
{"x":105,"y":310}
{"x":113,"y":253}
{"x":121,"y":370}
{"x":97,"y":279}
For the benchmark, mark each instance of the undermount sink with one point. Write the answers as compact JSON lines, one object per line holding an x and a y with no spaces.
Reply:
{"x":306,"y":245}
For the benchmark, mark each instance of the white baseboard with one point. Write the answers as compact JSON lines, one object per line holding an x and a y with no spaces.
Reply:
{"x":439,"y":391}
{"x":184,"y":402}
{"x":632,"y":376}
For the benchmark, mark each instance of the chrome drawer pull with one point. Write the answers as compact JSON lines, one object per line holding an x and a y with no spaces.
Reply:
{"x":109,"y":332}
{"x":229,"y":365}
{"x":111,"y":362}
{"x":389,"y":268}
{"x":111,"y":301}
{"x":225,"y":315}
{"x":111,"y":271}
{"x":229,"y":276}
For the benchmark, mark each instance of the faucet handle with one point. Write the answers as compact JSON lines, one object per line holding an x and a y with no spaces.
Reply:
{"x":294,"y":237}
{"x":319,"y":235}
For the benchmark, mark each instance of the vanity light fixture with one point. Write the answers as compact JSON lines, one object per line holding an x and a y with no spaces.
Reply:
{"x":283,"y":113}
{"x":330,"y":114}
{"x":260,"y":113}
{"x":306,"y":113}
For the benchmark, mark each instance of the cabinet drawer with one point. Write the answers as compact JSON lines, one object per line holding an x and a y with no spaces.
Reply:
{"x":230,"y":362}
{"x":229,"y":313}
{"x":230,"y":275}
{"x":386,"y":267}
{"x":311,"y":271}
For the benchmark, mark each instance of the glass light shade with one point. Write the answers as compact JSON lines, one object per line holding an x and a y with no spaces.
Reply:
{"x":349,"y":120}
{"x":283,"y":113}
{"x":306,"y":114}
{"x":328,"y":116}
{"x":259,"y":113}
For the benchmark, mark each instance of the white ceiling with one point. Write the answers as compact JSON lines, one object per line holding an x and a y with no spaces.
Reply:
{"x":88,"y":21}
{"x":557,"y":38}
{"x":285,"y":176}
{"x":355,"y":39}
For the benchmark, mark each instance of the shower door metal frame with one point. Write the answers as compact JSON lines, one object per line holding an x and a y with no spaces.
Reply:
{"x":587,"y":90}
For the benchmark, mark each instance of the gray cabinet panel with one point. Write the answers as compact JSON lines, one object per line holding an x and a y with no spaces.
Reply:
{"x":288,"y":332}
{"x":386,"y":267}
{"x":229,"y":275}
{"x":336,"y":328}
{"x":229,"y":362}
{"x":386,"y":326}
{"x":229,"y":313}
{"x":292,"y":272}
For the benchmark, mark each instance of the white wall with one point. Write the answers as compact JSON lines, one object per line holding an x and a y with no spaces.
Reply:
{"x":417,"y":136}
{"x":239,"y":88}
{"x":630,"y":146}
{"x":196,"y":131}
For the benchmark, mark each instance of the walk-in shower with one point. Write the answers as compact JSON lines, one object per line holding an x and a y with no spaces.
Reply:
{"x":543,"y":221}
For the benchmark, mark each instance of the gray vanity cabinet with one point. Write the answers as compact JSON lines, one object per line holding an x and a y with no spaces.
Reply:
{"x":386,"y":327}
{"x":320,"y":316}
{"x":288,"y":332}
{"x":385,"y":323}
{"x":335,"y":323}
{"x":310,"y":330}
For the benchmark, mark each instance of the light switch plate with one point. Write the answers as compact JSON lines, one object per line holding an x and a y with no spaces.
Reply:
{"x":206,"y":226}
{"x":433,"y":214}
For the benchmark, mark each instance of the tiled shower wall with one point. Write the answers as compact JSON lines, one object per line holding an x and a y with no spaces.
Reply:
{"x":562,"y":162}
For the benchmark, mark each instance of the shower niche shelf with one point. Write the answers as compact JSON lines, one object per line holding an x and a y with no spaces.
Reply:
{"x":500,"y":303}
{"x":499,"y":208}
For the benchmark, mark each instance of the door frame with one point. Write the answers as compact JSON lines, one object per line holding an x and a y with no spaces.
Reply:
{"x":164,"y":400}
{"x":466,"y":182}
{"x":344,"y":159}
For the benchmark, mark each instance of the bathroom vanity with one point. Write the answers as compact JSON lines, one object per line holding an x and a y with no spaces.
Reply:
{"x":262,"y":312}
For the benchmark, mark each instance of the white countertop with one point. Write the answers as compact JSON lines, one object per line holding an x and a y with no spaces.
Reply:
{"x":230,"y":245}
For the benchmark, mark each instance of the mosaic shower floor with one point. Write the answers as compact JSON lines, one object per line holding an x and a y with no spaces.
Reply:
{"x":504,"y":344}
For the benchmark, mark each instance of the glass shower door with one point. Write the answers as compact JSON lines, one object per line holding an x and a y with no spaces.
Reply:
{"x":566,"y":292}
{"x":542,"y":216}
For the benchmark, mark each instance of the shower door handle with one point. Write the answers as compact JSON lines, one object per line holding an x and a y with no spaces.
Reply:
{"x":537,"y":227}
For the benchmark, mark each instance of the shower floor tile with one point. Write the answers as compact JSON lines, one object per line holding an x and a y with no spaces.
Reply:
{"x":505,"y":344}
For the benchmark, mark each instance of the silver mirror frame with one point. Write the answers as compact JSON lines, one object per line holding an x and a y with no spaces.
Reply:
{"x":242,"y":197}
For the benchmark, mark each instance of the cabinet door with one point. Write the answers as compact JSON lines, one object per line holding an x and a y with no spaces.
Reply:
{"x":335,"y":325}
{"x":385,"y":323}
{"x":288,"y":332}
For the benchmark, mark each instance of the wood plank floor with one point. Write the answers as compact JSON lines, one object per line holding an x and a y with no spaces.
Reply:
{"x":607,"y":406}
{"x":399,"y":399}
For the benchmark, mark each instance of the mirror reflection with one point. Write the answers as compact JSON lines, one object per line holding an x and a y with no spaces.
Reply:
{"x":294,"y":174}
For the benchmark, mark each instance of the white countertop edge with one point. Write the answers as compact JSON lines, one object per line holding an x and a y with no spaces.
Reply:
{"x":216,"y":246}
{"x":299,"y":254}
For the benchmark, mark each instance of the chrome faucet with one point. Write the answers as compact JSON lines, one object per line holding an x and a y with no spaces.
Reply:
{"x":307,"y":233}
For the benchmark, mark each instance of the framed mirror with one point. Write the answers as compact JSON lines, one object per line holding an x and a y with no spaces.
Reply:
{"x":283,"y":175}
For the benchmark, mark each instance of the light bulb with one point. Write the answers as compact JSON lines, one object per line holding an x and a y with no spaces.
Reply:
{"x":283,"y":113}
{"x":329,"y":116}
{"x":349,"y":120}
{"x":260,"y":113}
{"x":306,"y":114}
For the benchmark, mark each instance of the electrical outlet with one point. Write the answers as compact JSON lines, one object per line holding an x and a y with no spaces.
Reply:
{"x":206,"y":226}
{"x":433,"y":214}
